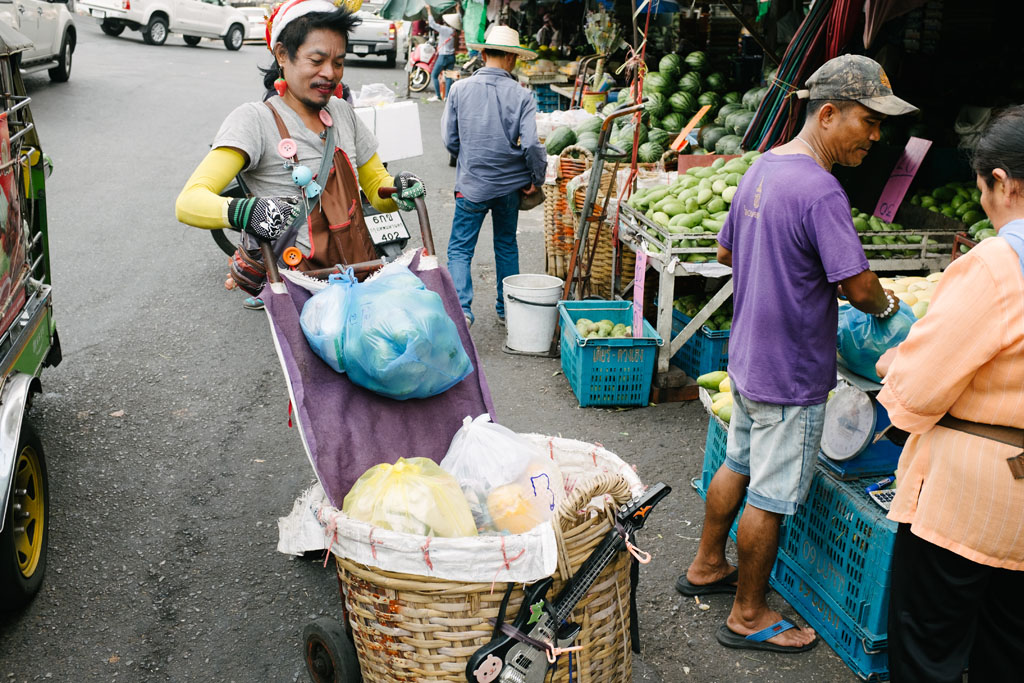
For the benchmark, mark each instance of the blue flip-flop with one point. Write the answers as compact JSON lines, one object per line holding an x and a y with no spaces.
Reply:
{"x":759,"y":641}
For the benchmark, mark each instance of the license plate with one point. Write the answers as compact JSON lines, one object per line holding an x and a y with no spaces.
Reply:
{"x":98,"y":13}
{"x":386,"y":227}
{"x":360,"y":49}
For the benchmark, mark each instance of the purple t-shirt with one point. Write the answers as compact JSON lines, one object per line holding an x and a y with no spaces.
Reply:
{"x":792,"y":240}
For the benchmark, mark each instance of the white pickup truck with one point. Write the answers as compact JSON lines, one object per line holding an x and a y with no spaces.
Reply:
{"x":375,"y":36}
{"x":49,"y":25}
{"x":194,"y":19}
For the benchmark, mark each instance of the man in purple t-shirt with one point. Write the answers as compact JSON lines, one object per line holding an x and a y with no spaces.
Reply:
{"x":791,"y":243}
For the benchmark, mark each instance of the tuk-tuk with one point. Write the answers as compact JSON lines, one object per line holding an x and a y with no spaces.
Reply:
{"x":28,"y":335}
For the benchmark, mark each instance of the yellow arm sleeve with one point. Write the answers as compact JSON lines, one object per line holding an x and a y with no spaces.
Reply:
{"x":372,"y":177}
{"x":200,"y":203}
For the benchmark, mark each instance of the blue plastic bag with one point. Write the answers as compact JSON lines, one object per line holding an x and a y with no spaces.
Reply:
{"x":399,"y":341}
{"x":323,"y":320}
{"x":863,"y":338}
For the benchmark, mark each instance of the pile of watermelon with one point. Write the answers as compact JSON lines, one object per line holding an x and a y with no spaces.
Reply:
{"x":679,"y":88}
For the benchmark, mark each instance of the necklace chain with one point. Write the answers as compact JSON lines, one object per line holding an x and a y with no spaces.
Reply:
{"x":808,"y":145}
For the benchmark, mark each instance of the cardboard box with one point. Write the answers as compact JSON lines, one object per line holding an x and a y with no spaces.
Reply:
{"x":396,"y":127}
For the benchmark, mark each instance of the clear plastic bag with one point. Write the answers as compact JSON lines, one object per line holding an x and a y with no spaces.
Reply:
{"x":372,"y":94}
{"x":323,"y":320}
{"x":509,"y":483}
{"x":413,"y":496}
{"x":863,"y":338}
{"x":399,"y":341}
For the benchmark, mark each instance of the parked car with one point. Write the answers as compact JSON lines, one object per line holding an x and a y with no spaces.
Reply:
{"x":194,"y":19}
{"x":374,"y":36}
{"x":28,"y":334}
{"x":50,"y":27}
{"x":256,"y":28}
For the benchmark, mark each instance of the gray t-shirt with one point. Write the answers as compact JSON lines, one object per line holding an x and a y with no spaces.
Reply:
{"x":251,"y":128}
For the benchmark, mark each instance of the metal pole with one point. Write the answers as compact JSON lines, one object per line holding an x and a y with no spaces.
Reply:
{"x":770,"y":53}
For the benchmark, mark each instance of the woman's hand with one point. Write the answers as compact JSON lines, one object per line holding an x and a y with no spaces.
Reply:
{"x":885,"y":362}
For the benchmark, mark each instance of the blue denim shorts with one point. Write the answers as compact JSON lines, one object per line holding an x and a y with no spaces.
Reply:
{"x":777,"y":447}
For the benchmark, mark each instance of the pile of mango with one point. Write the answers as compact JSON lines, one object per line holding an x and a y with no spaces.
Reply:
{"x":719,"y":386}
{"x":959,"y":200}
{"x":914,"y":291}
{"x":693,"y":208}
{"x":690,"y":304}
{"x":981,"y":230}
{"x":867,"y":223}
{"x":602,"y":329}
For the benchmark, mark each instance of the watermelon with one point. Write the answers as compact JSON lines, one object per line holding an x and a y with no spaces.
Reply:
{"x":728,"y":144}
{"x":655,"y":81}
{"x":709,"y":135}
{"x":560,"y":138}
{"x":682,"y":102}
{"x":739,"y":121}
{"x":673,"y":123}
{"x":690,"y":83}
{"x":625,"y":144}
{"x":732,"y":97}
{"x":656,"y":105}
{"x":670,"y":65}
{"x":609,"y":108}
{"x":627,"y":132}
{"x":710,"y":98}
{"x":752,"y":98}
{"x":658,"y":136}
{"x":725,"y":110}
{"x":715,"y":81}
{"x":625,"y":98}
{"x":649,"y":152}
{"x":698,"y":61}
{"x":591,"y":125}
{"x":588,"y":141}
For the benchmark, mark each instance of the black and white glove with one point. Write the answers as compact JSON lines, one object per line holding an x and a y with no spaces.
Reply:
{"x":409,"y":188}
{"x":262,"y":217}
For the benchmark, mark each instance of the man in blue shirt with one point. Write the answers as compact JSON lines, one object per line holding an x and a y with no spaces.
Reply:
{"x":489,"y":126}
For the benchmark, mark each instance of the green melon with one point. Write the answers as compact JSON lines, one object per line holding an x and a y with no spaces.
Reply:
{"x":655,"y":82}
{"x":715,"y":81}
{"x":659,"y":137}
{"x":690,"y":83}
{"x":649,"y":152}
{"x":682,"y":102}
{"x":673,"y":123}
{"x":728,"y":144}
{"x":732,"y":97}
{"x":698,"y":61}
{"x":670,"y":64}
{"x":657,"y":105}
{"x":560,"y":138}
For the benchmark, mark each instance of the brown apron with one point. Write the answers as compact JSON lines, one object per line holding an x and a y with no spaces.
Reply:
{"x":337,"y":232}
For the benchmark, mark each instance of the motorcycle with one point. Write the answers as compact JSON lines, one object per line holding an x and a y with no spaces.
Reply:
{"x":420,"y":65}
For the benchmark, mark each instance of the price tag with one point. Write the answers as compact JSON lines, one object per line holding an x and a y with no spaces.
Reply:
{"x":681,"y":141}
{"x":638,"y":293}
{"x":386,"y":227}
{"x":906,"y":168}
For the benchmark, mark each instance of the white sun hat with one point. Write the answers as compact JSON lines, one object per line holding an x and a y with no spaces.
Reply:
{"x":453,"y":20}
{"x":504,"y":39}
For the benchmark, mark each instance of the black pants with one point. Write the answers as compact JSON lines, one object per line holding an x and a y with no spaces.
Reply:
{"x":947,"y":612}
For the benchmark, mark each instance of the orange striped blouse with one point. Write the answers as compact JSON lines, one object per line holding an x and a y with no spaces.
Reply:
{"x":966,"y":356}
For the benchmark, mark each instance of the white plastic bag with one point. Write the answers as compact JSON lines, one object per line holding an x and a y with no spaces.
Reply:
{"x":510,"y":485}
{"x":373,"y":94}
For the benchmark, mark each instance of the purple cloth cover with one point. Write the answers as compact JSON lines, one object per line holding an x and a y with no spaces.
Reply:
{"x":349,"y":429}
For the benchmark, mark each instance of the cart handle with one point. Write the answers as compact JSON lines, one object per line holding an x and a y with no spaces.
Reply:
{"x":421,"y":216}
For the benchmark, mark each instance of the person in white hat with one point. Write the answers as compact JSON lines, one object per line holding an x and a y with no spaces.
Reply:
{"x":489,"y":126}
{"x":447,"y":39}
{"x":302,"y":153}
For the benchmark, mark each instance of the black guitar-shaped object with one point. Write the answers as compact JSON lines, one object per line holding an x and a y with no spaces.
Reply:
{"x":519,"y":659}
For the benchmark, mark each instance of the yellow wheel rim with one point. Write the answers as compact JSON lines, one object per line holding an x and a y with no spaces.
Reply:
{"x":29,"y":510}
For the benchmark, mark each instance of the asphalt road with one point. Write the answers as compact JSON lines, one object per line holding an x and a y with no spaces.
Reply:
{"x":165,"y":428}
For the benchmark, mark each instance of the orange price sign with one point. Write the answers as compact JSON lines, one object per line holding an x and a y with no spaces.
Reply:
{"x":680,"y":141}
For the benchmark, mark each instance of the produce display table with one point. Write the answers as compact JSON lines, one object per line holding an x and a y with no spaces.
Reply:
{"x":634,"y":232}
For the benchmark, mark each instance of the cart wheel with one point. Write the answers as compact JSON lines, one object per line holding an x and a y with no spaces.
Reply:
{"x":330,"y":655}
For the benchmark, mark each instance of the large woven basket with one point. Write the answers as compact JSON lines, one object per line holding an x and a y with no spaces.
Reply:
{"x":602,"y":266}
{"x":559,"y":224}
{"x":415,"y":629}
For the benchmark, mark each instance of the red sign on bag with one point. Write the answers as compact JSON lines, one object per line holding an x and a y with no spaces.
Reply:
{"x":638,"y":293}
{"x":901,"y":177}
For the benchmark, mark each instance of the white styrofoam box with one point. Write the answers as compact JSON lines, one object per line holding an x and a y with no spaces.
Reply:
{"x":396,"y":127}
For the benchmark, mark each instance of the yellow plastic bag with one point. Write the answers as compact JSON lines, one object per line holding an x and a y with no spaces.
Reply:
{"x":413,"y":496}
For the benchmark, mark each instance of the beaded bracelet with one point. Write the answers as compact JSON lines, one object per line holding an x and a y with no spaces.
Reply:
{"x":890,"y":309}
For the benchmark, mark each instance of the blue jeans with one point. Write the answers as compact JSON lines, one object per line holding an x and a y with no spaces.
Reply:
{"x":469,"y":218}
{"x":444,"y":62}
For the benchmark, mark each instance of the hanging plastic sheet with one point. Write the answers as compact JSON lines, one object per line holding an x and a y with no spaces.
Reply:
{"x":474,"y":21}
{"x":877,"y":12}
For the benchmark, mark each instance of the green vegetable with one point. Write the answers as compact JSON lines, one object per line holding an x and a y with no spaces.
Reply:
{"x":698,"y":61}
{"x":683,"y":102}
{"x":649,"y":152}
{"x":559,"y":139}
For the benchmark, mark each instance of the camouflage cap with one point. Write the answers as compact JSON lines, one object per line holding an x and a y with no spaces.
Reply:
{"x":857,"y":78}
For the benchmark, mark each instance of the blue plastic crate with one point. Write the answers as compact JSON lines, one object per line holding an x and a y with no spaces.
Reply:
{"x":714,"y":456}
{"x":704,"y":352}
{"x":607,"y":372}
{"x":865,"y":654}
{"x":841,"y":540}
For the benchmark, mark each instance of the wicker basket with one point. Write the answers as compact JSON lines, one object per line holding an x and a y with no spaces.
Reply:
{"x":602,"y":268}
{"x":558,"y":233}
{"x":414,"y":629}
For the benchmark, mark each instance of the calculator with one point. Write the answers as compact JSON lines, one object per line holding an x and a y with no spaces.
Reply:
{"x":883,"y":497}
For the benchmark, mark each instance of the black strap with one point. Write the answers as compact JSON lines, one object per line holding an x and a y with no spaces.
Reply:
{"x":501,"y":612}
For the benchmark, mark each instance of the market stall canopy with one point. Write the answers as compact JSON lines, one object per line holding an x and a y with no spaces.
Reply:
{"x":400,"y":10}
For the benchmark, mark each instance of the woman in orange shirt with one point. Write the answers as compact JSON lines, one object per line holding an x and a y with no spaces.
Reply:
{"x":957,"y":583}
